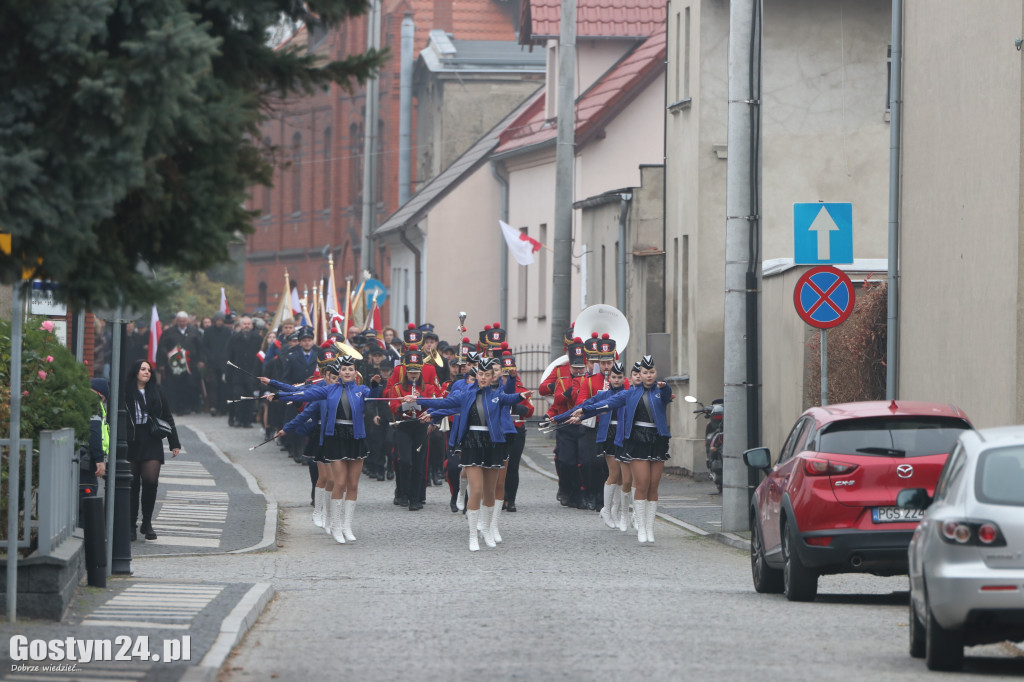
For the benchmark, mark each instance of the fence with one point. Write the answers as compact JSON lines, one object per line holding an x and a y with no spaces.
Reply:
{"x":530,"y":364}
{"x":52,"y":509}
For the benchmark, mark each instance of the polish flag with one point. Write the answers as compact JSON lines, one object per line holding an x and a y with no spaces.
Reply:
{"x":224,"y":303}
{"x":155,"y":331}
{"x":375,"y":316}
{"x":296,"y":304}
{"x":520,"y":246}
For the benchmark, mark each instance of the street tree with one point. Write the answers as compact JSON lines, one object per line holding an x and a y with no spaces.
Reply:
{"x":129,"y":131}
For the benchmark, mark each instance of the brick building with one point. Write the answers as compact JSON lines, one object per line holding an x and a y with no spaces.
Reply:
{"x":315,"y":204}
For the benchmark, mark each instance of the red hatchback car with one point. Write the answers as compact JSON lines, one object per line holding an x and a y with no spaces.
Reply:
{"x":828,"y":505}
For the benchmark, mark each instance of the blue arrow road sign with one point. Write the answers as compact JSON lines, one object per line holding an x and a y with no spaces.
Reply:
{"x":822,"y":233}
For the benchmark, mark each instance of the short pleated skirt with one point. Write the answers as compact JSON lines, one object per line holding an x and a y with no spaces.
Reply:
{"x":343,"y":445}
{"x":313,"y":449}
{"x":644,"y":443}
{"x":479,"y":451}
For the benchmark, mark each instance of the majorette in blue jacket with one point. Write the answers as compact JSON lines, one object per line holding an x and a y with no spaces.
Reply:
{"x":604,"y":419}
{"x":508,"y":425}
{"x":494,"y":400}
{"x":328,"y":398}
{"x":628,"y":400}
{"x":305,"y":421}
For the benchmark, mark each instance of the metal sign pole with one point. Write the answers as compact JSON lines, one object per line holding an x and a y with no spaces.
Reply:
{"x":824,"y":366}
{"x":14,"y":456}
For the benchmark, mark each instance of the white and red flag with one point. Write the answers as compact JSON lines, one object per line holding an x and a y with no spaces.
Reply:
{"x":521,"y":246}
{"x":224,"y":303}
{"x":155,"y":331}
{"x":296,"y":304}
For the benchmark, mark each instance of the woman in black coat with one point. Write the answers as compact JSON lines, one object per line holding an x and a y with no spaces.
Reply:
{"x":144,"y":399}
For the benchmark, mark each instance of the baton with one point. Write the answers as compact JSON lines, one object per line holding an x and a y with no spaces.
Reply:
{"x":246,"y":397}
{"x":263,"y":443}
{"x":231,"y":364}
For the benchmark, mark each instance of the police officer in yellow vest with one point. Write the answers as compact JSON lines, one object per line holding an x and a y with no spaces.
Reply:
{"x":94,"y":466}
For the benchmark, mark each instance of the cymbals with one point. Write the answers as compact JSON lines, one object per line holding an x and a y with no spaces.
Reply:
{"x":348,"y":350}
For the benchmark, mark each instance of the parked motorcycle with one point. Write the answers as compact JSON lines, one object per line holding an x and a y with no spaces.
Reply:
{"x":713,"y":435}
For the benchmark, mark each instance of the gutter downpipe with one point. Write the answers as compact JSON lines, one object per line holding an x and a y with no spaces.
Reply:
{"x":417,"y":269}
{"x":892,"y":279}
{"x":503,"y":259}
{"x":405,"y":111}
{"x":620,"y":293}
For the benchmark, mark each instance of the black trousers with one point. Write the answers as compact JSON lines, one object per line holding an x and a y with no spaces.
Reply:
{"x":452,"y":472}
{"x":516,"y":444}
{"x":411,"y":456}
{"x":376,"y":439}
{"x":577,"y":449}
{"x":437,"y":450}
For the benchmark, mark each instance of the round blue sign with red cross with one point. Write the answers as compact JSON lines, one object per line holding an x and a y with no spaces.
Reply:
{"x":824,"y":297}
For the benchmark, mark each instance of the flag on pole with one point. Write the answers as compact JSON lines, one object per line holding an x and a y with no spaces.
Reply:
{"x":224,"y":303}
{"x":296,"y":303}
{"x":332,"y":292}
{"x":520,"y":246}
{"x":284,"y":306}
{"x":375,"y":321}
{"x":155,"y":331}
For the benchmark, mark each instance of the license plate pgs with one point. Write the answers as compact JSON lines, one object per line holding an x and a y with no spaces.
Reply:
{"x":895,"y":515}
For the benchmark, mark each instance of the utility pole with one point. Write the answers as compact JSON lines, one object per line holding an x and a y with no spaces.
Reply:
{"x":892,"y":328}
{"x":565,"y":158}
{"x":742,"y":255}
{"x":370,"y":145}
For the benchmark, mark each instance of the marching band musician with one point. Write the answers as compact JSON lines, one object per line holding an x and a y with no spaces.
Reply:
{"x":571,"y":460}
{"x":508,"y":483}
{"x":592,"y":468}
{"x":342,"y":435}
{"x":410,"y":432}
{"x":480,"y":431}
{"x":554,"y":384}
{"x":643,"y":435}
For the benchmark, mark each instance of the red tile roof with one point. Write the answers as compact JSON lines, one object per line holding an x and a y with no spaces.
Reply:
{"x":594,"y":19}
{"x":599,"y":104}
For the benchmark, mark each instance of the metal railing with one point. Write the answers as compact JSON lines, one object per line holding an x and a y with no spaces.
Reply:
{"x":53,"y":510}
{"x":58,"y":488}
{"x":15,"y":489}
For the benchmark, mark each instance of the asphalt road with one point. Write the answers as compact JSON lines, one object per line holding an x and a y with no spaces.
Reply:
{"x":562,"y":597}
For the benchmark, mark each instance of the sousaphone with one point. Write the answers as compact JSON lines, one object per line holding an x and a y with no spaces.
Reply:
{"x":600,"y":318}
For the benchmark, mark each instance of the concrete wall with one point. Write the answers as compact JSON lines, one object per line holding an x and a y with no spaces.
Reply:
{"x":454,"y":112}
{"x":825,"y":136}
{"x":960,"y":245}
{"x":463,"y":249}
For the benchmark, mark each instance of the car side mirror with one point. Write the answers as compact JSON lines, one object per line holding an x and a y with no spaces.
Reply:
{"x":913,"y":498}
{"x":758,"y":458}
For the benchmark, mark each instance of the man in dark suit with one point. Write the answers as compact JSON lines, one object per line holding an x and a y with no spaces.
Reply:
{"x":298,"y":365}
{"x":179,"y":357}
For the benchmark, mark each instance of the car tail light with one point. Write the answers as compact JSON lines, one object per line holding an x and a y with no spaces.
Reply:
{"x":820,"y":541}
{"x":967,"y":532}
{"x":824,"y":467}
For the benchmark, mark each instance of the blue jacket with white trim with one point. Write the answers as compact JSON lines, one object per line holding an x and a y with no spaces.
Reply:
{"x":329,"y":398}
{"x":627,"y":400}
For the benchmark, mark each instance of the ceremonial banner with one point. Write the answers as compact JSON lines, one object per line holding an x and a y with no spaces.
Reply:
{"x":155,"y":331}
{"x":520,"y":246}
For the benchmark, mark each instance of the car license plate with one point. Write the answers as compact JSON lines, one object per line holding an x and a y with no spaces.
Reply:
{"x":895,"y":515}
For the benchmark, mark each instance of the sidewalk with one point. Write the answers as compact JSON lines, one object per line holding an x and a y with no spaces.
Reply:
{"x":693,"y":505}
{"x":206,"y":506}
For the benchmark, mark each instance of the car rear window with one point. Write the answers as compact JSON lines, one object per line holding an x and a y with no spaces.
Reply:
{"x":892,"y":436}
{"x":1000,"y":478}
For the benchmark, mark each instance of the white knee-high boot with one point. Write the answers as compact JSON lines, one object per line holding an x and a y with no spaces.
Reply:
{"x":328,"y":518}
{"x":460,"y":499}
{"x":471,"y":515}
{"x":336,"y":521}
{"x":640,"y":507}
{"x":485,"y":519}
{"x":606,"y":510}
{"x":613,"y":513}
{"x":651,"y":512}
{"x":494,"y":522}
{"x":623,"y":510}
{"x":346,"y":525}
{"x":318,"y":507}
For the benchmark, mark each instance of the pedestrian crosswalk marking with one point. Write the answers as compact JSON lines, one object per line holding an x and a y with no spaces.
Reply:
{"x":178,"y":472}
{"x":155,"y":606}
{"x":191,"y":518}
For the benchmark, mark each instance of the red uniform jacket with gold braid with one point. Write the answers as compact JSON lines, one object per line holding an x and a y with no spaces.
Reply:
{"x":399,"y":391}
{"x":586,"y":387}
{"x":429,"y":374}
{"x":524,"y":410}
{"x":556,"y":384}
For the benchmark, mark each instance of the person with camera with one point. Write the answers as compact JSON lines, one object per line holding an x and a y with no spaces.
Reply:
{"x":149,"y":422}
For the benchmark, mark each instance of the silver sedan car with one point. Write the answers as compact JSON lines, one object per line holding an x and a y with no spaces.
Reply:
{"x":967,"y":554}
